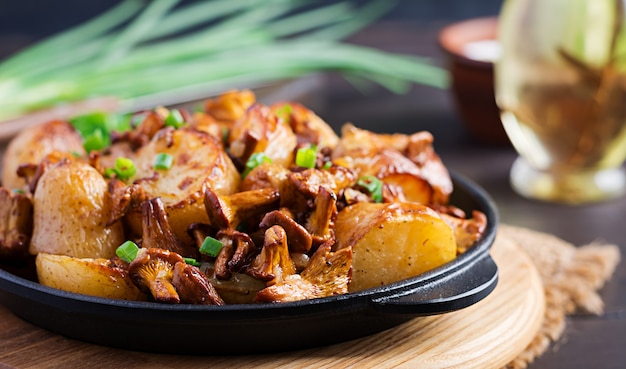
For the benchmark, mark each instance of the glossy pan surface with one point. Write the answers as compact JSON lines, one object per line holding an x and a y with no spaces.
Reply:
{"x":263,"y":328}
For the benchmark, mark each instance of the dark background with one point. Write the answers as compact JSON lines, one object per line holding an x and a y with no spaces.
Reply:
{"x":23,"y":22}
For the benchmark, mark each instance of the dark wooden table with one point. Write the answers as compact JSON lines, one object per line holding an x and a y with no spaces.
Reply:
{"x":589,"y":341}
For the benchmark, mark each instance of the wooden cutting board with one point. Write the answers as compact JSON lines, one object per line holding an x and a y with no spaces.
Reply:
{"x":488,"y":334}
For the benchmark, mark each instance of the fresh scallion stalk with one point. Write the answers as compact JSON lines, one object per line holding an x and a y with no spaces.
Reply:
{"x":133,"y":53}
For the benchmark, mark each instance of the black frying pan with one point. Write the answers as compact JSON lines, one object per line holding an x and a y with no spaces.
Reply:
{"x":263,"y":328}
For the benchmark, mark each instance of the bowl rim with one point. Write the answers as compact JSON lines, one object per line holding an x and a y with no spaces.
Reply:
{"x":454,"y":36}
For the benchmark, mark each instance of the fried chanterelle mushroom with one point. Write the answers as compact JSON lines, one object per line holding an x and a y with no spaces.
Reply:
{"x":240,"y":202}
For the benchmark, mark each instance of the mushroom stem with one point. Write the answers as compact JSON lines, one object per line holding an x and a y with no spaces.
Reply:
{"x":230,"y":210}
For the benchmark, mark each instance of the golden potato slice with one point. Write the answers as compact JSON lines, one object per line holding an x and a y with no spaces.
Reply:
{"x":33,"y":144}
{"x":259,"y":130}
{"x":94,"y":277}
{"x":392,"y":241}
{"x":199,"y":160}
{"x":71,"y":207}
{"x":401,"y":156}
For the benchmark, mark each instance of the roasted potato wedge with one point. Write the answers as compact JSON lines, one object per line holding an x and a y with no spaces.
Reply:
{"x":71,"y":207}
{"x":199,"y":160}
{"x":94,"y":277}
{"x":260,"y":130}
{"x":392,"y":241}
{"x":33,"y":144}
{"x":410,"y":160}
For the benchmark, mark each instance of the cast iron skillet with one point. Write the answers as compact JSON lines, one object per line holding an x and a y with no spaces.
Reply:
{"x":247,"y":329}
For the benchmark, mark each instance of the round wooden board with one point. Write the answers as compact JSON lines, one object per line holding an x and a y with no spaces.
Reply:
{"x":488,"y":334}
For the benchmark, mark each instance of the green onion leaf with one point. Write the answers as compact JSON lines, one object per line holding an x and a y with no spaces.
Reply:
{"x":124,"y":168}
{"x":163,"y":161}
{"x":284,"y":112}
{"x":174,"y":119}
{"x":96,"y":128}
{"x":373,"y":185}
{"x":327,"y":165}
{"x":306,"y":156}
{"x":254,"y":161}
{"x":127,"y":251}
{"x":110,"y":172}
{"x":96,"y":141}
{"x":192,"y":261}
{"x":211,"y":246}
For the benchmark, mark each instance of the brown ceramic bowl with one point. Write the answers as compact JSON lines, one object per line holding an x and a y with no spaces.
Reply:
{"x":470,"y":48}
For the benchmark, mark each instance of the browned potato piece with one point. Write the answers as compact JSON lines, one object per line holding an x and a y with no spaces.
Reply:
{"x":392,"y":241}
{"x":70,"y":211}
{"x":308,"y":126}
{"x":259,"y":130}
{"x":94,"y":277}
{"x":198,"y":160}
{"x":32,"y":144}
{"x":410,"y":160}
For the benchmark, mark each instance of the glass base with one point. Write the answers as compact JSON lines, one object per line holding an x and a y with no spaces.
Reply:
{"x":570,"y":188}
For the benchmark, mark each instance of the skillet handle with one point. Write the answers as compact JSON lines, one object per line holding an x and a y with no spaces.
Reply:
{"x":461,"y":288}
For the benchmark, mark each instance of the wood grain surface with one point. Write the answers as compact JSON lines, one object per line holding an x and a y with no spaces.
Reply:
{"x":486,"y":335}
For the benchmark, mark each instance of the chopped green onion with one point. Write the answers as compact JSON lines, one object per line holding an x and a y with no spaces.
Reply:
{"x":254,"y":161}
{"x":225,"y":135}
{"x":327,"y":165}
{"x":306,"y":157}
{"x":174,"y":119}
{"x":95,"y":141}
{"x":284,"y":112}
{"x":127,"y":251}
{"x":96,"y":128}
{"x":373,"y":185}
{"x":211,"y":246}
{"x":124,"y":168}
{"x":110,"y":172}
{"x":163,"y":161}
{"x":192,"y":261}
{"x":18,"y":191}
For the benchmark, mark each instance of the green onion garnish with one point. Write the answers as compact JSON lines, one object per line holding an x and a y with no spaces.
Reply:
{"x":174,"y":119}
{"x":96,"y":141}
{"x":327,"y":165}
{"x":306,"y":156}
{"x":124,"y":168}
{"x":211,"y":246}
{"x":373,"y":185}
{"x":96,"y":128}
{"x":192,"y":261}
{"x":284,"y":112}
{"x":163,"y":161}
{"x":254,"y":161}
{"x":127,"y":251}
